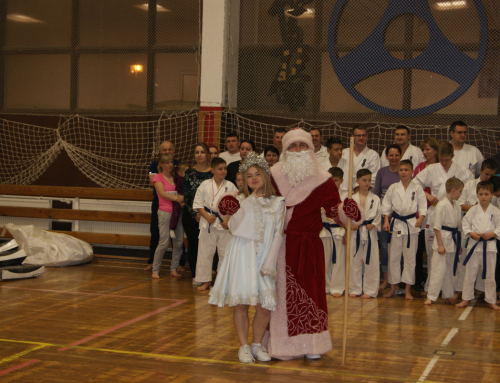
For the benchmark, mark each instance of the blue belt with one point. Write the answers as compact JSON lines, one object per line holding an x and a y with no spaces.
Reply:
{"x":329,"y":227}
{"x":214,"y":213}
{"x":368,"y":252}
{"x":403,"y":218}
{"x":469,"y":254}
{"x":457,"y":238}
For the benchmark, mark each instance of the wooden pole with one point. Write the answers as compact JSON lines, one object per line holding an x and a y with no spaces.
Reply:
{"x":347,"y":253}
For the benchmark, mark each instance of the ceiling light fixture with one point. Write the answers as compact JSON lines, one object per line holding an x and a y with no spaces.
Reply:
{"x":159,"y":8}
{"x":22,"y":18}
{"x":447,"y":5}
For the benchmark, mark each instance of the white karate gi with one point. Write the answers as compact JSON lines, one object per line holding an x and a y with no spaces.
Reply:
{"x":334,"y":272}
{"x":322,"y":153}
{"x":470,"y":158}
{"x":207,"y":196}
{"x":441,"y":275}
{"x":413,"y":153}
{"x":435,"y":177}
{"x":370,"y":282}
{"x":326,"y":164}
{"x":367,"y":159}
{"x":478,"y":221}
{"x":228,"y":157}
{"x":403,"y":202}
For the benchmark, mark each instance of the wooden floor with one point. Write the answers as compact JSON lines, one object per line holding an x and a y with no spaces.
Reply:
{"x":109,"y":322}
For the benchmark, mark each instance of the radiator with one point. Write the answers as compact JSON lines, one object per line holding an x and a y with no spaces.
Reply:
{"x":40,"y":223}
{"x":113,"y":227}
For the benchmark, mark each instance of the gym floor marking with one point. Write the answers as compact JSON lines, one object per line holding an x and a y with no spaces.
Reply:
{"x":19,"y":366}
{"x":22,"y":353}
{"x":467,"y":310}
{"x":216,"y":361}
{"x":449,"y":337}
{"x":117,"y":327}
{"x":97,"y":294}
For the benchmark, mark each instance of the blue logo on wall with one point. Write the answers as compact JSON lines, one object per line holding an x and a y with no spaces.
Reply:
{"x":440,"y":56}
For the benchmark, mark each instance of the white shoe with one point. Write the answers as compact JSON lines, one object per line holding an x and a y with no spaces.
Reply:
{"x":259,"y":352}
{"x":245,"y":354}
{"x":313,"y":356}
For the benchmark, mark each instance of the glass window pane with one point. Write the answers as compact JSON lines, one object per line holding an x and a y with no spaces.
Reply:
{"x":177,"y":81}
{"x":37,"y":81}
{"x":113,"y":23}
{"x":177,"y":22}
{"x":38,"y":23}
{"x":112,"y":81}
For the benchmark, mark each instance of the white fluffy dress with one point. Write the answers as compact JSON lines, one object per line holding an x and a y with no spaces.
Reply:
{"x":247,"y":273}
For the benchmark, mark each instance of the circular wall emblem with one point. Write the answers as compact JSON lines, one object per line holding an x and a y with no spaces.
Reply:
{"x":440,"y":56}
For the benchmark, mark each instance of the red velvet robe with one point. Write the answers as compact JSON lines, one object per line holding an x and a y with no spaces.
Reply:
{"x":306,"y":307}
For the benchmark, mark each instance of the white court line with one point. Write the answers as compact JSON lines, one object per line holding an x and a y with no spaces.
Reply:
{"x":449,"y":337}
{"x":467,"y":310}
{"x":428,"y":369}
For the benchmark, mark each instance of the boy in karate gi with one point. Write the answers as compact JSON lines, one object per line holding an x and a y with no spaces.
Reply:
{"x":364,"y":242}
{"x":435,"y":176}
{"x":213,"y":236}
{"x":403,"y":200}
{"x":446,"y":246}
{"x":332,"y":237}
{"x":481,"y":224}
{"x":467,"y":200}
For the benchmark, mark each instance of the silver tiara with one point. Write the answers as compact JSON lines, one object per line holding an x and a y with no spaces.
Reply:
{"x":253,"y":159}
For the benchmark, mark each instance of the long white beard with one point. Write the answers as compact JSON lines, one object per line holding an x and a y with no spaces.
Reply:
{"x":298,"y":166}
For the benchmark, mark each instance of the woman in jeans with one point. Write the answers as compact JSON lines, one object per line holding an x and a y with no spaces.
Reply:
{"x":193,"y":177}
{"x":386,"y":176}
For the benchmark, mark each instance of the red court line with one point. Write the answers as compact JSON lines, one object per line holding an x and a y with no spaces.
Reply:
{"x":103,"y":295}
{"x":19,"y":366}
{"x":122,"y":325}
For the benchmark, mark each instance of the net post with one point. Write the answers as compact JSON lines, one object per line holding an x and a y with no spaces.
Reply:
{"x":209,"y":124}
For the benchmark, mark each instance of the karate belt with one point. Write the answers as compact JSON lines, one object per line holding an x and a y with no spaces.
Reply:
{"x":306,"y":245}
{"x":329,"y":227}
{"x":214,"y":213}
{"x":457,"y":238}
{"x":358,"y":241}
{"x":403,"y":218}
{"x":469,"y":254}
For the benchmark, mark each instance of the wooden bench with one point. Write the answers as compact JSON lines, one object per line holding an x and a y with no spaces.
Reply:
{"x":82,"y":215}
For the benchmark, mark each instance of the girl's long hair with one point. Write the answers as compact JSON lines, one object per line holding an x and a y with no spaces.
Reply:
{"x":268,"y":186}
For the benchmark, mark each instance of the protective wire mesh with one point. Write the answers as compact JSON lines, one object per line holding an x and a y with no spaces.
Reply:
{"x":370,"y":60}
{"x":379,"y":135}
{"x":112,"y":154}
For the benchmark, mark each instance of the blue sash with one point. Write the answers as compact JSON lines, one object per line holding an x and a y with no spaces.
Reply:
{"x":329,"y":227}
{"x":358,"y":239}
{"x":469,"y":254}
{"x":457,"y":238}
{"x":403,"y":218}
{"x":214,"y":213}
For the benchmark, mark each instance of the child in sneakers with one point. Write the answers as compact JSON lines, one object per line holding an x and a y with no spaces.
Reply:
{"x":247,"y":272}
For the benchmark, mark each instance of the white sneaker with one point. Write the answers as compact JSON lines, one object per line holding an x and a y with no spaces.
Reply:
{"x":259,"y":352}
{"x":245,"y":354}
{"x":313,"y":356}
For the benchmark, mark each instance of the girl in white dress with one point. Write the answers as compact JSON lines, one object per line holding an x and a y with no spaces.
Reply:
{"x":247,"y":274}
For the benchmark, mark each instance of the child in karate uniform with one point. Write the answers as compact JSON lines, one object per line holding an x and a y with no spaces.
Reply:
{"x":212,"y":235}
{"x":403,"y":200}
{"x":332,"y":237}
{"x":467,"y":200}
{"x":364,"y":242}
{"x":446,"y":246}
{"x":434,"y":176}
{"x":481,"y":224}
